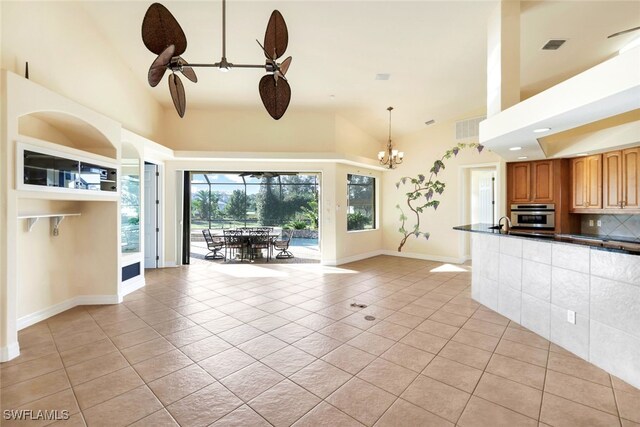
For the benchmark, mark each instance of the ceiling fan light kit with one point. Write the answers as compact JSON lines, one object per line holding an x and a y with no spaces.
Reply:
{"x":163,"y":36}
{"x":391,"y":157}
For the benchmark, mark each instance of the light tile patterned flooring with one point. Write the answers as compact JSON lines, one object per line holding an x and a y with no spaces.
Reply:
{"x":249,"y":345}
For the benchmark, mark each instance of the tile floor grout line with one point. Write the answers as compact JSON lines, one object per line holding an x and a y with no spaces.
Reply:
{"x":418,"y":376}
{"x":165,"y":407}
{"x":615,"y":400}
{"x":75,"y":396}
{"x":544,"y":384}
{"x":481,"y":375}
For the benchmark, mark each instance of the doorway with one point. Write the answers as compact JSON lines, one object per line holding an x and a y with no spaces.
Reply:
{"x":285,"y":202}
{"x":480,"y":199}
{"x":151,"y":215}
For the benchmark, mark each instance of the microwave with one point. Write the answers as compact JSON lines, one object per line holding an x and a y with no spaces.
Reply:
{"x":533,"y":215}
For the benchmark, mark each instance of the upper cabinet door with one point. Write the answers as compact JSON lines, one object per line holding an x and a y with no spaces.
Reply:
{"x":586,"y":182}
{"x":543,"y":188}
{"x":578,"y":183}
{"x":593,"y":183}
{"x":631,"y":178}
{"x":520,"y":182}
{"x":612,"y":180}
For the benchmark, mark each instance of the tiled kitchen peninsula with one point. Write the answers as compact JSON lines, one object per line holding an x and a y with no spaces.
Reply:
{"x":536,"y":283}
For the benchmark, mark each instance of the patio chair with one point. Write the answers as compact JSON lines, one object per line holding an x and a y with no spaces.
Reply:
{"x":282,"y":245}
{"x":214,"y":244}
{"x":233,"y":241}
{"x":260,"y":240}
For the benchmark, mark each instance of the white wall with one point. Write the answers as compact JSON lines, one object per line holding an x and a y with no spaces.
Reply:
{"x":421,"y":150}
{"x":252,"y":130}
{"x":94,"y":238}
{"x":67,"y":55}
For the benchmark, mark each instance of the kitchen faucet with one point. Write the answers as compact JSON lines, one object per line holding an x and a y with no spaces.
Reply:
{"x":508,"y":223}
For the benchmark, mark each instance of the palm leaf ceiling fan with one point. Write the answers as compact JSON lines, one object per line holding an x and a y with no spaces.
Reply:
{"x":163,"y":36}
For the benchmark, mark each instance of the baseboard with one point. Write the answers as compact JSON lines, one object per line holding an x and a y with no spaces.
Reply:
{"x":352,"y":258}
{"x":426,"y":257}
{"x":131,"y":285}
{"x":39,"y":316}
{"x":9,"y":352}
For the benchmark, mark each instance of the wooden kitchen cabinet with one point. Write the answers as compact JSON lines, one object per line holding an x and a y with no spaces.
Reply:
{"x":621,"y":180}
{"x":543,"y":188}
{"x":543,"y":182}
{"x":631,"y":178}
{"x":531,"y":182}
{"x":519,"y":176}
{"x":586,"y":183}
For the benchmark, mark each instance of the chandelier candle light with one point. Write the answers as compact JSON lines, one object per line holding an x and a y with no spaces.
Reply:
{"x":390,"y":158}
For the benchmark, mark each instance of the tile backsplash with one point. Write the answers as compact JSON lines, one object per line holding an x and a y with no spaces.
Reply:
{"x":612,"y":225}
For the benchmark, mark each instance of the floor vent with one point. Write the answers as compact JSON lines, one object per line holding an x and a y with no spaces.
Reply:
{"x":469,"y":128}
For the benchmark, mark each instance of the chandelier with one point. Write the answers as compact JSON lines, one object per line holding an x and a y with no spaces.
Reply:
{"x":390,"y":158}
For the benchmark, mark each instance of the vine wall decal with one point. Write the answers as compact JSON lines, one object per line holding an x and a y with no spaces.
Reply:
{"x":423,"y":194}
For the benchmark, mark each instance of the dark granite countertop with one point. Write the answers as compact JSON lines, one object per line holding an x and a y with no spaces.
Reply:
{"x":620,"y":245}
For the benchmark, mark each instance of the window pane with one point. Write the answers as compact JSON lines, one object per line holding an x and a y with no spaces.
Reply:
{"x":361,"y":208}
{"x":228,"y":200}
{"x":130,"y":208}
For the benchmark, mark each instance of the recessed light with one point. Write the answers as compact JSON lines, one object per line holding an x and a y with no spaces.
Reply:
{"x":541,"y":130}
{"x":429,"y":122}
{"x":383,"y":76}
{"x":515,"y":148}
{"x":522,"y":157}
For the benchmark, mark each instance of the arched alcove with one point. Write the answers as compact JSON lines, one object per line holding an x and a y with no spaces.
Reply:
{"x":68,"y":130}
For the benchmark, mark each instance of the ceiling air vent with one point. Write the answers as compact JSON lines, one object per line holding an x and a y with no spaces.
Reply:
{"x":469,"y":128}
{"x":383,"y":76}
{"x":553,"y":44}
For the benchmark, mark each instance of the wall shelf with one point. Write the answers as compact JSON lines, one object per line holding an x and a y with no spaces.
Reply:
{"x":56,"y":219}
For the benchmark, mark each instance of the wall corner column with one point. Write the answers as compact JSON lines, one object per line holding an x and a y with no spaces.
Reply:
{"x":503,"y":57}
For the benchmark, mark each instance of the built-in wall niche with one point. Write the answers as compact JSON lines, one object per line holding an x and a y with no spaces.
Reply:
{"x":40,"y":168}
{"x":67,"y":130}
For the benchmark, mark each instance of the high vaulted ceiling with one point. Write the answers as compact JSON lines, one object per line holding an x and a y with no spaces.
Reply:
{"x":434,"y":51}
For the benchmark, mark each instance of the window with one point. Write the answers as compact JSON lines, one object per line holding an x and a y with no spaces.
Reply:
{"x":361,"y":210}
{"x":249,"y":199}
{"x":130,"y":208}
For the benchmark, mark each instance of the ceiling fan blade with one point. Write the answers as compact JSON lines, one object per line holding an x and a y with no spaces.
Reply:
{"x":619,"y":33}
{"x":276,"y":38}
{"x":159,"y":66}
{"x":284,"y":66}
{"x":275,"y":95}
{"x":188,"y":71}
{"x":160,"y":29}
{"x":177,"y":94}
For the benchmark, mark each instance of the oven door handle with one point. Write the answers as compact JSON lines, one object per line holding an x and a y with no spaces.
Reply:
{"x":533,"y":212}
